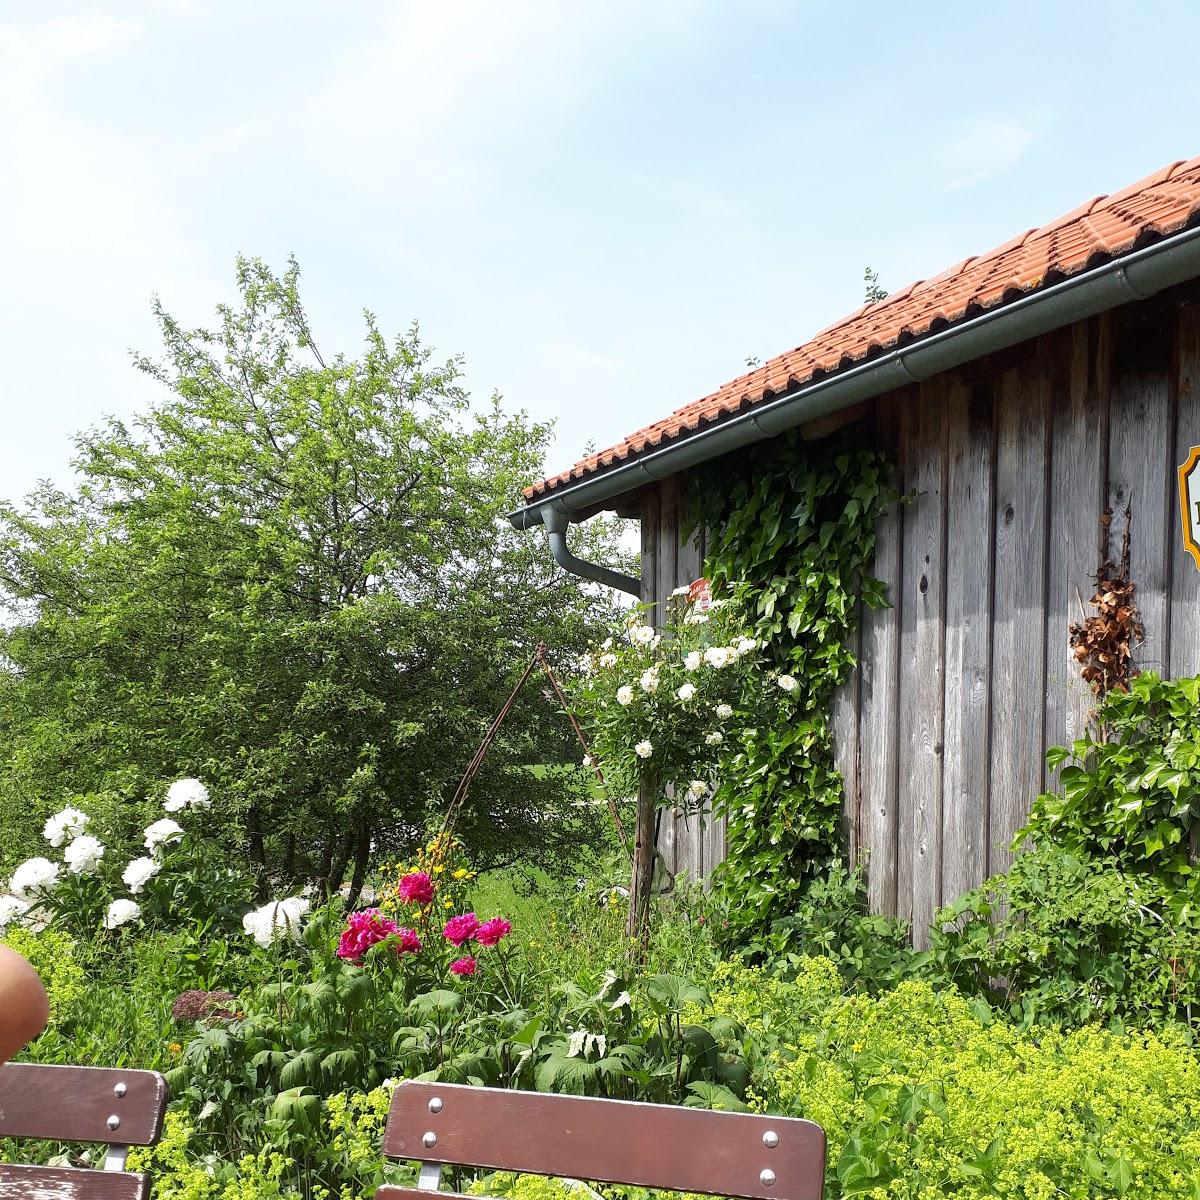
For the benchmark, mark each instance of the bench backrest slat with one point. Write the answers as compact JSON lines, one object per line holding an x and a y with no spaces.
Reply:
{"x":65,"y":1183}
{"x":610,"y":1141}
{"x":81,"y":1104}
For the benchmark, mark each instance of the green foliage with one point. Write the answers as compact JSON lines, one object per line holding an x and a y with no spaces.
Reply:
{"x":872,"y":952}
{"x":1131,"y":793}
{"x":1097,"y":918}
{"x":53,"y":955}
{"x":792,"y":529}
{"x":271,"y":579}
{"x":1066,"y":939}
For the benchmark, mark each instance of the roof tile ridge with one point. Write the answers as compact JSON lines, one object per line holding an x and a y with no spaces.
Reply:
{"x":1143,"y":185}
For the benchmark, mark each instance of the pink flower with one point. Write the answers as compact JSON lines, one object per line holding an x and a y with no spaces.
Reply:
{"x":415,"y":888}
{"x":461,"y":930}
{"x":364,"y":930}
{"x":490,"y":932}
{"x":407,"y":942}
{"x":463,"y":966}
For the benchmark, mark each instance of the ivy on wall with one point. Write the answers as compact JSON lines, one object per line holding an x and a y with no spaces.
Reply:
{"x":791,"y":526}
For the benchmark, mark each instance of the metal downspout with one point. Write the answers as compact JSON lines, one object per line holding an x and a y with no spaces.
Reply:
{"x":556,"y":521}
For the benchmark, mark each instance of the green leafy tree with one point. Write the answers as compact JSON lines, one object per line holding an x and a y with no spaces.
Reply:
{"x":292,"y":578}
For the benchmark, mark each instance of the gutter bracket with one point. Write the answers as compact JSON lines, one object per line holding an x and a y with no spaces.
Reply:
{"x":556,"y":521}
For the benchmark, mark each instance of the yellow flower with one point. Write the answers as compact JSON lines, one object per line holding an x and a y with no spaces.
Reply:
{"x":439,"y":869}
{"x":447,"y":904}
{"x":174,"y":1048}
{"x":857,"y":1047}
{"x":461,"y":873}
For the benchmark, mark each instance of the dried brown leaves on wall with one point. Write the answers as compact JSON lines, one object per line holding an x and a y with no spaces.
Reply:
{"x":1103,"y":643}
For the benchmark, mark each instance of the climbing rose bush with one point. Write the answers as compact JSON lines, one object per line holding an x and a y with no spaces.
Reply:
{"x":661,"y":708}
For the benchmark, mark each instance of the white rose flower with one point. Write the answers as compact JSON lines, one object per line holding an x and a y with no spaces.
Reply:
{"x":641,"y":635}
{"x":787,"y":682}
{"x":649,"y":680}
{"x":121,"y":912}
{"x":83,"y":855}
{"x":608,"y":660}
{"x":696,"y":618}
{"x":160,"y":833}
{"x":139,"y":873}
{"x":746,"y":644}
{"x":681,"y":591}
{"x":644,"y":749}
{"x":33,"y":875}
{"x":724,"y":711}
{"x":625,"y":694}
{"x":693,"y":660}
{"x":186,"y":793}
{"x":12,"y":908}
{"x":607,"y":644}
{"x":717,"y":656}
{"x":686,"y":692}
{"x":68,"y":823}
{"x":697,"y":788}
{"x":588,"y":761}
{"x":714,"y":739}
{"x":276,"y":920}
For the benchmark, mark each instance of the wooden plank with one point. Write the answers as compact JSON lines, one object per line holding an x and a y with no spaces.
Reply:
{"x":74,"y":1104}
{"x":1142,"y":433}
{"x":922,"y":661}
{"x":966,"y":783}
{"x":844,"y":725}
{"x":1079,"y":374}
{"x":651,"y":503}
{"x":66,"y":1183}
{"x":1018,"y":620}
{"x":1185,"y":577}
{"x":879,"y":683}
{"x":614,"y":1141}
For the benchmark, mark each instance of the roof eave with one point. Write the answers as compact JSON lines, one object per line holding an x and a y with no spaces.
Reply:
{"x":1136,"y":275}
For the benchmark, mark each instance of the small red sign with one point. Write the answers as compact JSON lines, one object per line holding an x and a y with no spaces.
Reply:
{"x":700,"y":595}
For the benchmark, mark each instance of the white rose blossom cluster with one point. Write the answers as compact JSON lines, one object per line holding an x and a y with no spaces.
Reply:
{"x":662,"y":705}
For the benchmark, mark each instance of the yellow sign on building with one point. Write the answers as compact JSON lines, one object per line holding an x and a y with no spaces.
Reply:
{"x":1189,"y":503}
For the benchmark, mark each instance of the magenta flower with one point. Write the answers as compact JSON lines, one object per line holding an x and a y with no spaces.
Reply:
{"x":407,"y":942}
{"x":464,"y":966}
{"x":415,"y":888}
{"x":364,"y":930}
{"x":490,"y":932}
{"x":461,"y":930}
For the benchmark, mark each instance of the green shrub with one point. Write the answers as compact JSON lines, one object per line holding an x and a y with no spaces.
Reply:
{"x":52,"y":954}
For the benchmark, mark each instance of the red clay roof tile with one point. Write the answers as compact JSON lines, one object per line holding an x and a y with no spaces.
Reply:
{"x":1162,"y":203}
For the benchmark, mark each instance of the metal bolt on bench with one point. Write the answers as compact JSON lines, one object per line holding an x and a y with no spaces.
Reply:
{"x":114,"y":1108}
{"x":606,"y":1141}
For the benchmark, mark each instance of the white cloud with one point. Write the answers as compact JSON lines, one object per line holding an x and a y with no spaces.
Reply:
{"x":978,"y":150}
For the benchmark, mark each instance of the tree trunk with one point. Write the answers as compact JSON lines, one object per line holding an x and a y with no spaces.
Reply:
{"x":362,"y":855}
{"x":256,"y":850}
{"x":338,"y":870}
{"x":643,"y":860}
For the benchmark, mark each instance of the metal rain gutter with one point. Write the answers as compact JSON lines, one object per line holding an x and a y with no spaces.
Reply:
{"x":1134,"y":276}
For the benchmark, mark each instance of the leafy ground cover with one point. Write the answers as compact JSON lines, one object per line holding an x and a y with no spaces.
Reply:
{"x":281,"y":1081}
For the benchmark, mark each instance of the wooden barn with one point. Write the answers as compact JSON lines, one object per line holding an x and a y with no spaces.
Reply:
{"x":1020,"y":394}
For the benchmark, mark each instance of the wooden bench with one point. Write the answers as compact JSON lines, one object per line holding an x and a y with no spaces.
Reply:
{"x":115,"y":1108}
{"x":605,"y":1141}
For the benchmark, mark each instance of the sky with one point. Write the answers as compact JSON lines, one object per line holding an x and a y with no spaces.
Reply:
{"x":606,"y":207}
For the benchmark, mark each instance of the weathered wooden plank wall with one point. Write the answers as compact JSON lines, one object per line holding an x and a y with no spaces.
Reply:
{"x":968,"y":678}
